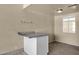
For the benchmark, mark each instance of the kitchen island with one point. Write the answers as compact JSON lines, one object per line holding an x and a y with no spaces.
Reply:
{"x":35,"y":43}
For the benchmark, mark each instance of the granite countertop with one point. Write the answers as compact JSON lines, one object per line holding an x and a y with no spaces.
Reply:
{"x":32,"y":34}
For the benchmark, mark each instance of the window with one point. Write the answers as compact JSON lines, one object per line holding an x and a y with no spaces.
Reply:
{"x":69,"y":24}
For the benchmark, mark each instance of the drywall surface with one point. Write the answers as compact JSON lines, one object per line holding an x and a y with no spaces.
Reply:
{"x":40,"y":21}
{"x":9,"y":25}
{"x":69,"y":38}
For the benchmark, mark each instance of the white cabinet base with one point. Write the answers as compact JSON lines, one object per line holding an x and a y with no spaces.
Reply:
{"x":36,"y":45}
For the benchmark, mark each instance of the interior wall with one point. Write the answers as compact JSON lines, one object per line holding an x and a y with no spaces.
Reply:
{"x":40,"y":21}
{"x":69,"y":38}
{"x":14,"y":19}
{"x":9,"y":25}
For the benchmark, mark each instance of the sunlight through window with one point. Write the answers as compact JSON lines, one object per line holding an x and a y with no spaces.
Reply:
{"x":69,"y":24}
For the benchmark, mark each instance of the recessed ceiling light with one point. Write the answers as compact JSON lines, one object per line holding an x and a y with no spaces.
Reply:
{"x":73,"y":7}
{"x":59,"y":10}
{"x":25,"y":5}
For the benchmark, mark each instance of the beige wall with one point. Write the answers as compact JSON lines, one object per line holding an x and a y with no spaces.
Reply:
{"x":41,"y":22}
{"x":9,"y":26}
{"x":68,"y":38}
{"x":11,"y":22}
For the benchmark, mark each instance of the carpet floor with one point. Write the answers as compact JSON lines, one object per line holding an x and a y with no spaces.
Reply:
{"x":55,"y":48}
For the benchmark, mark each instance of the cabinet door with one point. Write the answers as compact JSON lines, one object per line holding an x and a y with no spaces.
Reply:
{"x":42,"y":45}
{"x":30,"y":45}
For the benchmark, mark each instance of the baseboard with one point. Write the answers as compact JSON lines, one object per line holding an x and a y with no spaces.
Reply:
{"x":67,"y":43}
{"x":3,"y":53}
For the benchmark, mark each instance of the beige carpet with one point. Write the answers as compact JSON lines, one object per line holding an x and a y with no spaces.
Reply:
{"x":57,"y":48}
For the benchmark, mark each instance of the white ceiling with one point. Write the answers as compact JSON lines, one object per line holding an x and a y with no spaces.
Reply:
{"x":51,"y":8}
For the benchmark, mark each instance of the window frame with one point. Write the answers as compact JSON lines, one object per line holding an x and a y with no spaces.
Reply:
{"x":68,"y":30}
